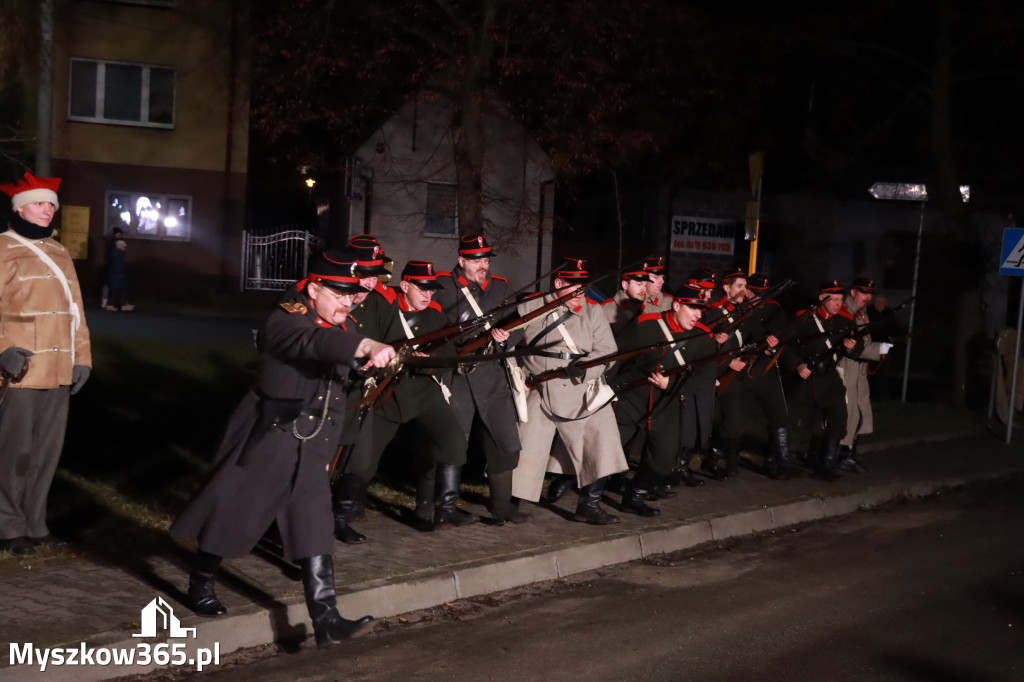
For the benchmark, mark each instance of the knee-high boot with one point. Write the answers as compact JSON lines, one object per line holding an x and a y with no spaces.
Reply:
{"x":322,"y":601}
{"x":349,"y":501}
{"x":504,"y":509}
{"x":446,"y":512}
{"x":828,"y":457}
{"x":201,"y":597}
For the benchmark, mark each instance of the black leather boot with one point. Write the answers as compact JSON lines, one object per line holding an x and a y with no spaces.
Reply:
{"x":588,"y":509}
{"x":731,"y":448}
{"x":559,"y":486}
{"x":813,"y":452}
{"x":201,"y":597}
{"x":426,"y":490}
{"x":848,"y":460}
{"x":636,"y":491}
{"x":322,"y":602}
{"x":828,"y":458}
{"x":683,"y":475}
{"x":446,"y":513}
{"x":779,"y":463}
{"x":349,"y":501}
{"x":714,"y":464}
{"x":504,"y":509}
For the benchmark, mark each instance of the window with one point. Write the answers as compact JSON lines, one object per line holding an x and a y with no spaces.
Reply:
{"x":123,"y":94}
{"x":149,"y":216}
{"x":442,"y":210}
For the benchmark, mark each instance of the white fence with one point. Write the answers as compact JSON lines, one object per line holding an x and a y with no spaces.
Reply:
{"x":273,"y":261}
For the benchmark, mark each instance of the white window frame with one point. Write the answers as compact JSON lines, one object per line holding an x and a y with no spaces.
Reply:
{"x":100,"y":95}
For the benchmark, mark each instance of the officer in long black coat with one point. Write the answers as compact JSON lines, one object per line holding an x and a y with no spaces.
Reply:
{"x":272,"y":463}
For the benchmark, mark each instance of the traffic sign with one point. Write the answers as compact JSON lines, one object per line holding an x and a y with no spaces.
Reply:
{"x":1011,"y":262}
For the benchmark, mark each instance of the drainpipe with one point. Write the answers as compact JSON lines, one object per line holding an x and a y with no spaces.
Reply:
{"x":44,"y":115}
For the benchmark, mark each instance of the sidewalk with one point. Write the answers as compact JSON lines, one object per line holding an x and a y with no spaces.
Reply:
{"x":97,"y":599}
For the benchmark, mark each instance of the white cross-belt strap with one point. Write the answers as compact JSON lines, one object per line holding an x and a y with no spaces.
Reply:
{"x":474,"y":305}
{"x":76,"y":319}
{"x":565,"y":336}
{"x":668,"y":337}
{"x":739,"y":335}
{"x":817,"y":321}
{"x":408,"y":333}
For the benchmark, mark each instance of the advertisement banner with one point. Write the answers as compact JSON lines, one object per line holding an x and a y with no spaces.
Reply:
{"x":702,"y":235}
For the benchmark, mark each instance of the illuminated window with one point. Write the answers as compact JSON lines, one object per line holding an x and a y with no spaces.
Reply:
{"x":122,"y":94}
{"x":149,"y":216}
{"x":442,"y":210}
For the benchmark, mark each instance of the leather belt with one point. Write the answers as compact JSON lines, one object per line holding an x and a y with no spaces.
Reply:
{"x":564,"y":355}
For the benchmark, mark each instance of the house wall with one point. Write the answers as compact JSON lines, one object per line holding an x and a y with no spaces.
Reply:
{"x":415,"y":146}
{"x":203,"y":157}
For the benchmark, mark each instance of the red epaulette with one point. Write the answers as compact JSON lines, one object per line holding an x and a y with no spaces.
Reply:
{"x":845,"y":313}
{"x":607,"y":301}
{"x":498,"y":277}
{"x":590,"y":300}
{"x":389,"y":294}
{"x":436,"y":306}
{"x":647,"y":317}
{"x":701,"y":325}
{"x":801,"y":312}
{"x":442,"y":273}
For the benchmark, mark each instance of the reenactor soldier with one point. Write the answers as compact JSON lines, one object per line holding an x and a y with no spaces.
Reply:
{"x":420,"y":397}
{"x":854,"y":371}
{"x":629,"y":301}
{"x":759,"y":381}
{"x":482,"y":394}
{"x":374,"y":314}
{"x":820,"y":337}
{"x":272,"y":463}
{"x":657,"y":299}
{"x":652,"y":410}
{"x":592,"y":450}
{"x":720,"y":463}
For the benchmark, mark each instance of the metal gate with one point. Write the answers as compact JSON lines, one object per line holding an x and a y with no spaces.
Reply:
{"x":273,"y":261}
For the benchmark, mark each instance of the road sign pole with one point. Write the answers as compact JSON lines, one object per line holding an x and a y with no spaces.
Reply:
{"x":1016,"y":359}
{"x":913,"y":304}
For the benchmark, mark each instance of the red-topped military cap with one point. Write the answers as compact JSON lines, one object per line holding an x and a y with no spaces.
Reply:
{"x":692,"y":295}
{"x":573,"y":270}
{"x":335,"y":269}
{"x":830,"y":286}
{"x":421,"y":273}
{"x":475,"y":247}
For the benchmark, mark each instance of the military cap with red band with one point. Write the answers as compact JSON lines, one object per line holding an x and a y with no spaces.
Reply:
{"x":733,"y":273}
{"x":573,"y":270}
{"x":703,"y":277}
{"x":475,"y":247}
{"x":29,"y":189}
{"x":830,"y":286}
{"x":691,"y":295}
{"x":758,"y":281}
{"x":655,"y":264}
{"x":336,"y":270}
{"x":421,"y":273}
{"x":864,"y":285}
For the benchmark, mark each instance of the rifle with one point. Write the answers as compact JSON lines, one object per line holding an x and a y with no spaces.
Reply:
{"x":522,"y":321}
{"x":845,"y":333}
{"x":747,"y":309}
{"x":683,"y":371}
{"x":608,"y":359}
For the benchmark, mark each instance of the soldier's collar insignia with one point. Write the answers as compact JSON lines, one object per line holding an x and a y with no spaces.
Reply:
{"x":295,"y":308}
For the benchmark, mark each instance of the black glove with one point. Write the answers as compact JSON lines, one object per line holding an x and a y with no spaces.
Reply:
{"x":14,"y":361}
{"x":79,"y":375}
{"x":575,"y":372}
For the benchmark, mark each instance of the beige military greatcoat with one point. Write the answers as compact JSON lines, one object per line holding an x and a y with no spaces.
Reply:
{"x":591,"y":439}
{"x":854,"y":371}
{"x":35,"y":312}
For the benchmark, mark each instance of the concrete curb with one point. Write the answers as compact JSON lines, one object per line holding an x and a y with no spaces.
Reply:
{"x":287,"y":619}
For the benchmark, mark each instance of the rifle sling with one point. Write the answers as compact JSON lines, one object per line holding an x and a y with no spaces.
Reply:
{"x":562,"y":318}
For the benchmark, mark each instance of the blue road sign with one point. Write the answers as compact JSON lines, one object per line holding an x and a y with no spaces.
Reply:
{"x":1011,"y":262}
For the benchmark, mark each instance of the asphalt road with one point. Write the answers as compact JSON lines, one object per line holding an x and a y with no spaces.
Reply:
{"x":930,"y":590}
